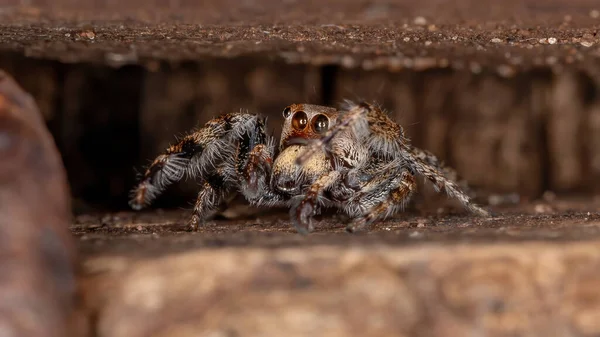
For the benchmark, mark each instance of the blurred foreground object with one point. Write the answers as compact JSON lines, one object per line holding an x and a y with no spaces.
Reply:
{"x":37,"y":256}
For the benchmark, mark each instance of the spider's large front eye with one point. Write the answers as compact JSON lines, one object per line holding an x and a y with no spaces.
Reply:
{"x":287,"y":112}
{"x":299,"y":120}
{"x":320,"y":123}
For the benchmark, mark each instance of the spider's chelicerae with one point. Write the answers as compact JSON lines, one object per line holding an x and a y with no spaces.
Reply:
{"x":355,"y":159}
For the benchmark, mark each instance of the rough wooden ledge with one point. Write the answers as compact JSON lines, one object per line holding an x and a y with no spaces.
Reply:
{"x":531,"y":272}
{"x":532,"y":289}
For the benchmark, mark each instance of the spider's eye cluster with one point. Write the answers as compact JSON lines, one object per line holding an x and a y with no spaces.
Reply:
{"x":300,"y":120}
{"x":287,"y":112}
{"x":320,"y":123}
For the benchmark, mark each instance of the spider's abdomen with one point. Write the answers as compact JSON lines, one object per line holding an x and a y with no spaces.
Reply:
{"x":289,"y":177}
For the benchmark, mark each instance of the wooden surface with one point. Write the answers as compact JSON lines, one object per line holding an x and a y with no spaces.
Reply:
{"x":530,"y":271}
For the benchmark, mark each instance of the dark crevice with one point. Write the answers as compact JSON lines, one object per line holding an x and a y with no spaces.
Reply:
{"x":542,"y":135}
{"x":589,"y":90}
{"x":546,"y":168}
{"x":103,"y":148}
{"x":329,"y":75}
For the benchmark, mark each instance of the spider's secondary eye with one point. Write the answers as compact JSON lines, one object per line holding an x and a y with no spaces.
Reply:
{"x":286,"y":112}
{"x":300,"y":120}
{"x":320,"y":123}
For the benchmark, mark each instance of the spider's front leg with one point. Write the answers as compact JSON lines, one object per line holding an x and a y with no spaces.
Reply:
{"x":255,"y":182}
{"x":256,"y":173}
{"x":304,"y":207}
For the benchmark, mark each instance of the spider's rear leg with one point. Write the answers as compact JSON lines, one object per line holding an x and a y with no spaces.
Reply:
{"x":194,"y":154}
{"x":166,"y":169}
{"x":395,"y":197}
{"x":448,"y":172}
{"x":441,"y":182}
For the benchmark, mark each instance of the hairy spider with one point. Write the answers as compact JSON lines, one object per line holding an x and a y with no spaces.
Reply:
{"x":355,"y":159}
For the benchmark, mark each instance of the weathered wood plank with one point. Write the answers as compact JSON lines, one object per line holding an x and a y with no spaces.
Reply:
{"x":532,"y":289}
{"x":37,"y":254}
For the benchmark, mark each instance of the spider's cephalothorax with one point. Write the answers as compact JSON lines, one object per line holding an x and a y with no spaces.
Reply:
{"x":355,"y":159}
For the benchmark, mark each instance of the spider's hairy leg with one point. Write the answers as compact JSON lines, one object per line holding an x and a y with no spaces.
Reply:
{"x":255,"y":165}
{"x":249,"y":161}
{"x":212,"y":193}
{"x":165,"y":170}
{"x":434,"y":162}
{"x":439,"y":180}
{"x":447,"y":171}
{"x":304,"y":207}
{"x":396,"y":196}
{"x":386,"y":137}
{"x":255,"y":175}
{"x":194,"y":154}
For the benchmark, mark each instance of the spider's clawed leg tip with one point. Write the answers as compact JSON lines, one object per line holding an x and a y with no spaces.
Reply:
{"x":490,"y":214}
{"x":193,"y":224}
{"x":297,"y":225}
{"x":301,"y":224}
{"x":135,"y":205}
{"x":355,"y":230}
{"x":301,"y":227}
{"x":302,"y":231}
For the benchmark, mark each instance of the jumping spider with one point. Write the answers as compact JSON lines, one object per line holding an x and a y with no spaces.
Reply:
{"x":355,"y":159}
